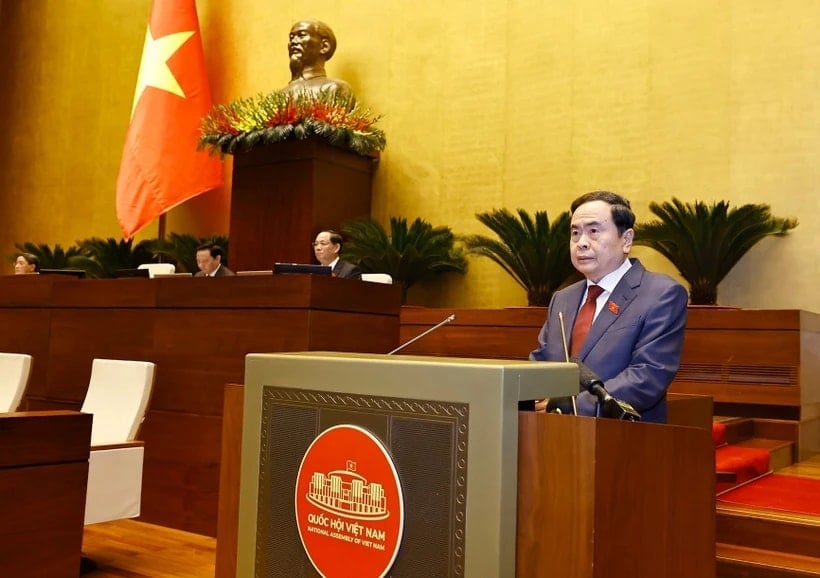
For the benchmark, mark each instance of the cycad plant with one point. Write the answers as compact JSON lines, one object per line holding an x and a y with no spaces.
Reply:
{"x":102,"y":257}
{"x":408,"y":254}
{"x":56,"y":258}
{"x":705,"y":241}
{"x":533,"y":252}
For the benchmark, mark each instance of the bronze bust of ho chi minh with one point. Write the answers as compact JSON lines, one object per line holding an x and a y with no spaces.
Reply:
{"x":311,"y":43}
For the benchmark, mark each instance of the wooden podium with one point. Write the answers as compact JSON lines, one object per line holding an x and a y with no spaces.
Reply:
{"x":284,"y":193}
{"x":600,"y":498}
{"x":585,"y":498}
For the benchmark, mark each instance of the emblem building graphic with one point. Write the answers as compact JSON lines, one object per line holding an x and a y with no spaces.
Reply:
{"x":346,"y":493}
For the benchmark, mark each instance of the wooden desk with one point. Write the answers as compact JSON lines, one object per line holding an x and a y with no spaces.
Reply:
{"x":43,"y":475}
{"x":197,"y":331}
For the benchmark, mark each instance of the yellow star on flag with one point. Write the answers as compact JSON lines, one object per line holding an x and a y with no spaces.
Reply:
{"x":154,"y":69}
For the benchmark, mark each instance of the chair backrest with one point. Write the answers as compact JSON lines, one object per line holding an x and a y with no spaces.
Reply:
{"x":118,"y":396}
{"x":158,"y":268}
{"x":14,"y":373}
{"x":377,"y":278}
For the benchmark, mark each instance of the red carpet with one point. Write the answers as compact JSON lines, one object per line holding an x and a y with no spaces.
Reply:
{"x":778,"y":492}
{"x":747,"y":463}
{"x":719,"y":433}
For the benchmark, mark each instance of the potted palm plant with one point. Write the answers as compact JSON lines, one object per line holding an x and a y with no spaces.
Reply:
{"x":704,"y":241}
{"x":409,"y":254}
{"x":102,"y":257}
{"x":533,"y":252}
{"x":180,"y":249}
{"x":51,"y":258}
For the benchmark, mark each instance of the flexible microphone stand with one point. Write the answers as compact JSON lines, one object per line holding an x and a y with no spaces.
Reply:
{"x":419,"y":336}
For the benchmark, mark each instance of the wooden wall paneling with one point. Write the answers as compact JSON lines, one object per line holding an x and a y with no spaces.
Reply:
{"x":26,"y":290}
{"x":234,"y":292}
{"x":341,"y":331}
{"x":506,"y":333}
{"x":742,"y":347}
{"x":741,"y":394}
{"x":26,"y":330}
{"x":198,"y":351}
{"x":709,"y":317}
{"x":109,"y":293}
{"x":279,"y":292}
{"x":78,"y":335}
{"x":181,"y":471}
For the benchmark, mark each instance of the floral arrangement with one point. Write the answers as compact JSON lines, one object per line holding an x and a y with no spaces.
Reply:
{"x":249,"y":122}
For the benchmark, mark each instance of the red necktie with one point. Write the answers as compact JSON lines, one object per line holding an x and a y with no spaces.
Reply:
{"x":584,"y":320}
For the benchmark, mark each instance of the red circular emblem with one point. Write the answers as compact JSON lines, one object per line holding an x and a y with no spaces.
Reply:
{"x":349,"y":504}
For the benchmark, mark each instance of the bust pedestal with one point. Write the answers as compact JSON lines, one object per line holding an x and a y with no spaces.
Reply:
{"x":284,"y":193}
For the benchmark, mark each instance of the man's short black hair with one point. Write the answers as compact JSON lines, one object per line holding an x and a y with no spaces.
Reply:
{"x":622,"y":214}
{"x":214,"y":249}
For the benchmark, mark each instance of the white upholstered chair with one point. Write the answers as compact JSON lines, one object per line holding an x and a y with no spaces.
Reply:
{"x":377,"y":278}
{"x":158,"y":269}
{"x":118,"y":395}
{"x":14,"y":373}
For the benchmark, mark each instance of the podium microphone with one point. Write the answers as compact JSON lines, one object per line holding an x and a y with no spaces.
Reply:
{"x":608,"y":406}
{"x":554,"y":404}
{"x":420,"y":335}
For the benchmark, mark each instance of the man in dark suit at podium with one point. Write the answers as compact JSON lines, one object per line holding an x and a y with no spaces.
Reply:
{"x":327,"y":247}
{"x":634,"y":330}
{"x":209,"y":258}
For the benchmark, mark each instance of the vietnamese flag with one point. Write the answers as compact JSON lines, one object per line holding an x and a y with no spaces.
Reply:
{"x":161,"y":166}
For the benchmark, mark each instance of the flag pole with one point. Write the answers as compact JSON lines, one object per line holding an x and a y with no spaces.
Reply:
{"x":161,"y":235}
{"x":161,"y":227}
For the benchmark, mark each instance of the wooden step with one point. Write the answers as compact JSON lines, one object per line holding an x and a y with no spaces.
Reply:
{"x":743,"y":562}
{"x":781,"y":451}
{"x":755,"y":528}
{"x":739,"y":429}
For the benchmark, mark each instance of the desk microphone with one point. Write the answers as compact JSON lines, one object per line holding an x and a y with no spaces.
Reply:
{"x":420,"y":335}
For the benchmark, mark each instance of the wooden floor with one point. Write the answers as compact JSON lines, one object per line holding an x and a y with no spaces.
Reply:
{"x":809,"y":468}
{"x":131,"y":549}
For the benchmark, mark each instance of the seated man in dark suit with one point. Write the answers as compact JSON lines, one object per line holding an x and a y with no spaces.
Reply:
{"x":209,"y":258}
{"x":327,"y":247}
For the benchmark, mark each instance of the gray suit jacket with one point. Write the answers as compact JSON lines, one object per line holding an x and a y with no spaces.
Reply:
{"x":634,"y":344}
